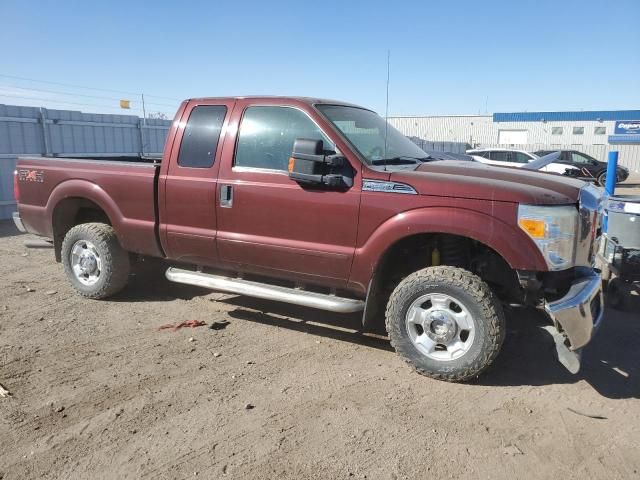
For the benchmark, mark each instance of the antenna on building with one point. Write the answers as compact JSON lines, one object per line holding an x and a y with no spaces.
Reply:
{"x":386,"y":109}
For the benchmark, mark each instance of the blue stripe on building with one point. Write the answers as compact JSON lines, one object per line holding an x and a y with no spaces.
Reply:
{"x":602,"y":115}
{"x":616,"y":139}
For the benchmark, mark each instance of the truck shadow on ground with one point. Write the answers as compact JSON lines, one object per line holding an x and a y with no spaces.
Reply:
{"x":147,"y":283}
{"x":336,"y":326}
{"x":611,"y":363}
{"x":8,"y":229}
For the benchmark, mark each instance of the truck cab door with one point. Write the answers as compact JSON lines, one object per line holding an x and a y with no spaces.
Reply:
{"x":270,"y":224}
{"x":188,"y":190}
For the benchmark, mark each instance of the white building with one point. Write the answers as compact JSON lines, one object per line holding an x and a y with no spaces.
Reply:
{"x":595,"y":132}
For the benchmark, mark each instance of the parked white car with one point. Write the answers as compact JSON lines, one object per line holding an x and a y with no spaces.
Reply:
{"x":507,"y":157}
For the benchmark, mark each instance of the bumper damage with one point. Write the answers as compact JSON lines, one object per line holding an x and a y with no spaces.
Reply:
{"x":576,"y":317}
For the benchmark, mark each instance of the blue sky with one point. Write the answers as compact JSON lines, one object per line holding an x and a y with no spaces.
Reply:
{"x":447,"y":57}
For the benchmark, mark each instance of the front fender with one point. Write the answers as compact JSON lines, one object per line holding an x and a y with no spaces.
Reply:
{"x":511,"y":243}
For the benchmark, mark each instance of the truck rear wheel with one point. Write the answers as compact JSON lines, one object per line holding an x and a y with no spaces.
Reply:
{"x":446,"y":323}
{"x":94,"y":261}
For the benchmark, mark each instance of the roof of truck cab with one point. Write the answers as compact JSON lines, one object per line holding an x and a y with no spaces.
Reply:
{"x":308,"y":100}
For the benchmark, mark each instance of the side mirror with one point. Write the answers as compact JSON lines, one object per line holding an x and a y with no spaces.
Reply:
{"x":306,"y":149}
{"x":311,"y":164}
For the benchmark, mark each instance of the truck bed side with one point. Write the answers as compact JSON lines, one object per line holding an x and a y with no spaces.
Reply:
{"x":55,"y":193}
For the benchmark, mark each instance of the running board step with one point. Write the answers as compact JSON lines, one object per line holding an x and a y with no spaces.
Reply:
{"x":265,"y":291}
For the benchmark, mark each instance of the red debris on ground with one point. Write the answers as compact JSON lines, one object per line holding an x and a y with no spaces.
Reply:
{"x":185,"y":324}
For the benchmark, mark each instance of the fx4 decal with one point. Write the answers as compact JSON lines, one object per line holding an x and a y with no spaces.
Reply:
{"x":25,"y":175}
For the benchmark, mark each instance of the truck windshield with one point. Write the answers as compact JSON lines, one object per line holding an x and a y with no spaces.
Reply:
{"x":366,"y":131}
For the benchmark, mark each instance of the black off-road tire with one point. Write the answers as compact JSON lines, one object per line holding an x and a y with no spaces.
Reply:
{"x":482,"y":304}
{"x":115,"y":261}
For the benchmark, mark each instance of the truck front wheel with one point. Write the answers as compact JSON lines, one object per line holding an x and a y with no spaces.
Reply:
{"x":446,"y":323}
{"x":94,"y":261}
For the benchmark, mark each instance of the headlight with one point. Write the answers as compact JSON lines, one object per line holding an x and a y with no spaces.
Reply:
{"x":553,"y":229}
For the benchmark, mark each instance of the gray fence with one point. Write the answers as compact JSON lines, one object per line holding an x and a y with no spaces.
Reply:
{"x":60,"y":133}
{"x":452,"y":147}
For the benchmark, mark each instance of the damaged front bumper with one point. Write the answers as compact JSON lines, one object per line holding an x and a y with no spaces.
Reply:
{"x":576,"y":317}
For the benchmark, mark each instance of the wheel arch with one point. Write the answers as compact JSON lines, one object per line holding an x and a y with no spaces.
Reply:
{"x":77,"y":201}
{"x":506,"y":239}
{"x":421,"y":226}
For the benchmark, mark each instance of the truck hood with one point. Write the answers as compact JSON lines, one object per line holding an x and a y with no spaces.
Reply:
{"x":487,"y":182}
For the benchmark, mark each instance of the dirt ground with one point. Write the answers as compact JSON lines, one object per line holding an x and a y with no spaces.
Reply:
{"x":97,"y":391}
{"x":630,"y":187}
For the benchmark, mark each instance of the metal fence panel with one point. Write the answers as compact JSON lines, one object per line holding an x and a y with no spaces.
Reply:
{"x":7,"y":202}
{"x":40,"y":131}
{"x":451,"y":147}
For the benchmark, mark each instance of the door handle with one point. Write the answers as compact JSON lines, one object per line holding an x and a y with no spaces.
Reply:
{"x":226,"y":196}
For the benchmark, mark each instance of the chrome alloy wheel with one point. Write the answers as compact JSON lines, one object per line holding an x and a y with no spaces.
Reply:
{"x":85,"y":262}
{"x":440,"y":326}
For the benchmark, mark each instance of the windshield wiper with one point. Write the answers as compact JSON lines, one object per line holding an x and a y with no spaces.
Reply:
{"x":401,"y":160}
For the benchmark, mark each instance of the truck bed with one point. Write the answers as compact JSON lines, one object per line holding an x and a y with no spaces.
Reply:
{"x":123,"y":187}
{"x":112,"y":158}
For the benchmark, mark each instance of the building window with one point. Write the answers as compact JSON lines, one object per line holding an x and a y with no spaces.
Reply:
{"x":556,"y":130}
{"x":600,"y":130}
{"x":578,"y":130}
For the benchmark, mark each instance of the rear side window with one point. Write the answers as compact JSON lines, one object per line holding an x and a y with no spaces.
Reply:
{"x":501,"y":156}
{"x":201,"y":135}
{"x":577,"y":157}
{"x":520,"y":157}
{"x":267,"y":134}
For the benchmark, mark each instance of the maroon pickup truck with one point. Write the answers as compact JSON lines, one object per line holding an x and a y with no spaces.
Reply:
{"x":322,"y":204}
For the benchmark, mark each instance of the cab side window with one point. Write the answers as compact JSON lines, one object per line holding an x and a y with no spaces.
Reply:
{"x":201,"y":134}
{"x":266,"y":136}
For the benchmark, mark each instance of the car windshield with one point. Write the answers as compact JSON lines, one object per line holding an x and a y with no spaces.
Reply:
{"x":377,"y":141}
